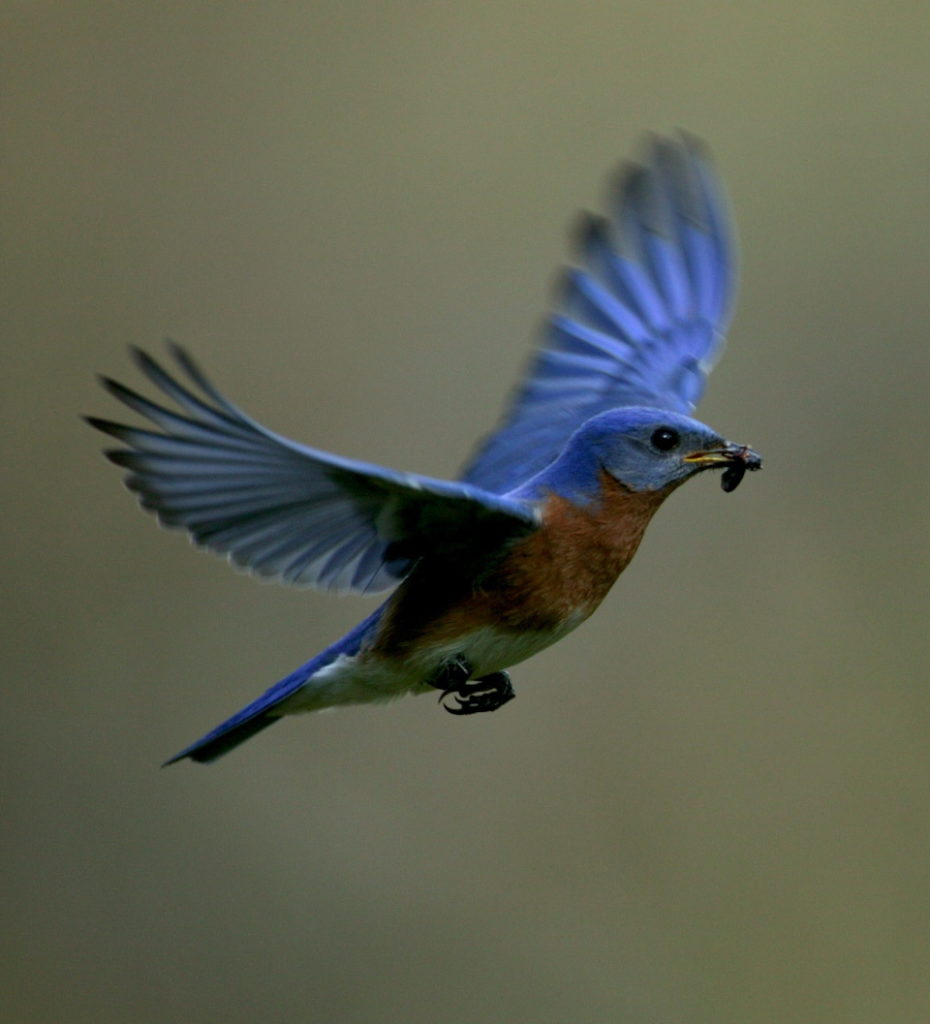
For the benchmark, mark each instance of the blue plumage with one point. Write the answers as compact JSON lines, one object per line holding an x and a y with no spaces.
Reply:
{"x":281,"y":509}
{"x":254,"y":717}
{"x":550,"y":509}
{"x":638,"y":323}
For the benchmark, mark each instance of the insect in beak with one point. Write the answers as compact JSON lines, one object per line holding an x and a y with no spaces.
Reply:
{"x":736,"y":459}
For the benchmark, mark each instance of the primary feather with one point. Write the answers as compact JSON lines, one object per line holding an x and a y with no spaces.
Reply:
{"x":639,"y":323}
{"x":286,"y":511}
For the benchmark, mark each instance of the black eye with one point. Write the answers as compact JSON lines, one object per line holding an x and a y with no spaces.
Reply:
{"x":665,"y":439}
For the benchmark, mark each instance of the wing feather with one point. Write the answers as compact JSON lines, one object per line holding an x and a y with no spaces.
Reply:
{"x":285,"y":511}
{"x":639,"y":322}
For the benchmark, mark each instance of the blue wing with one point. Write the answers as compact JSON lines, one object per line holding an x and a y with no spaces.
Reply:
{"x":289,"y":512}
{"x":640,"y":323}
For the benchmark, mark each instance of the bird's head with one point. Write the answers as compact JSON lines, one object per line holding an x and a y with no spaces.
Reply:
{"x":651,"y":450}
{"x":645,"y":449}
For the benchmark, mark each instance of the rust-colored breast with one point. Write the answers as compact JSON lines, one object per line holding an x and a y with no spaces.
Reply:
{"x":566,"y":568}
{"x":561,"y":571}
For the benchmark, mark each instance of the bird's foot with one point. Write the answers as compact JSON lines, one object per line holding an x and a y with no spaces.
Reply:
{"x":485,"y":694}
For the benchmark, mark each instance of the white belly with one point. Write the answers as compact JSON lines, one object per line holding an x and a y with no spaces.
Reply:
{"x":492,"y":650}
{"x":364,"y":678}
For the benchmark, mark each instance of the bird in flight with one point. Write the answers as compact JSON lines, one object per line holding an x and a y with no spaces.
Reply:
{"x":485,"y":571}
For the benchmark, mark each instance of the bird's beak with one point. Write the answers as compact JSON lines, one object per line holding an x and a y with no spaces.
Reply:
{"x":736,"y":459}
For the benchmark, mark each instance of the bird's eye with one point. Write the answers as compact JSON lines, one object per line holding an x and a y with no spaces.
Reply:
{"x":665,"y":439}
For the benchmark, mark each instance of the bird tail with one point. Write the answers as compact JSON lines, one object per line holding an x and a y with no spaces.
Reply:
{"x":228,"y":736}
{"x":258,"y":715}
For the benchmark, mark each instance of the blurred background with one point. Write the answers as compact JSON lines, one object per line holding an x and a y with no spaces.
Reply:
{"x":710,"y":804}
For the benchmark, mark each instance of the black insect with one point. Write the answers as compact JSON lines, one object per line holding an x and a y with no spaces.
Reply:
{"x":732,"y":476}
{"x":746,"y":459}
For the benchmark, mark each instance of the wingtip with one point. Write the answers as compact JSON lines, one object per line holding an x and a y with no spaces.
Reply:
{"x":125,"y":458}
{"x":179,"y":354}
{"x":104,"y":426}
{"x":140,"y":357}
{"x":623,"y":177}
{"x":112,"y":430}
{"x":192,"y":369}
{"x":114,"y":387}
{"x":589,"y":230}
{"x":175,"y":348}
{"x":146,"y":362}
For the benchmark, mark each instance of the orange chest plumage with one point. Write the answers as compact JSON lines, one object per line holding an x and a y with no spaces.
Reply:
{"x":558,"y":574}
{"x":566,"y":567}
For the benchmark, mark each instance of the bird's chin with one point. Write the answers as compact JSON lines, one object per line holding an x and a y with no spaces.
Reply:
{"x":734,"y":459}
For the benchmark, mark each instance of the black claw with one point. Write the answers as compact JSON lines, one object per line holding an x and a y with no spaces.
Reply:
{"x":485,"y":694}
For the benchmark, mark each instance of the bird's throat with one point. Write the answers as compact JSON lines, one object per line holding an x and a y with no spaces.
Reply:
{"x":567,"y":566}
{"x":544,"y":584}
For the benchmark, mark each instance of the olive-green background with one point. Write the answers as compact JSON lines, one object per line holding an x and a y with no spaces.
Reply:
{"x":712,"y":803}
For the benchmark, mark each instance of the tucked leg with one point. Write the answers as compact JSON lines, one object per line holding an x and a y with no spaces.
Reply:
{"x":485,"y":694}
{"x":452,"y":674}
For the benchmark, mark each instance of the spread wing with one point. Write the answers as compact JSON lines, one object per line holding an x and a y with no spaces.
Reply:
{"x":286,"y":511}
{"x":639,"y":323}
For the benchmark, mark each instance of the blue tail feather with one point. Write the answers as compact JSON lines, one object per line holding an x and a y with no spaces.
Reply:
{"x":258,"y":715}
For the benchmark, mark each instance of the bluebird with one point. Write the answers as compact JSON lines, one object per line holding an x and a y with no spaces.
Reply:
{"x":486,"y":571}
